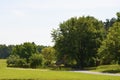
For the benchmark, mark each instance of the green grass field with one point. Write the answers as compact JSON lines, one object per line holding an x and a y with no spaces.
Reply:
{"x":43,"y":74}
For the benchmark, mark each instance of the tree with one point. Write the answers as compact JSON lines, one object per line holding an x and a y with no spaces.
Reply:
{"x":49,"y":55}
{"x":109,"y":51}
{"x":21,"y":54}
{"x":25,"y":50}
{"x":78,"y":39}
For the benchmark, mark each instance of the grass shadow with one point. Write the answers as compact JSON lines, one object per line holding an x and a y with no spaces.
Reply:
{"x":111,"y":71}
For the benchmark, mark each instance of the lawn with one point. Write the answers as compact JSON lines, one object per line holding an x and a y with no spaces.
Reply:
{"x":43,"y":74}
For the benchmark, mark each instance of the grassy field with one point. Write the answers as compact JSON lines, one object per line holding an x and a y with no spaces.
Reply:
{"x":43,"y":74}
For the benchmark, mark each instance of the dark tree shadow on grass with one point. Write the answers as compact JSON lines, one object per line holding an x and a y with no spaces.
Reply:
{"x":111,"y":71}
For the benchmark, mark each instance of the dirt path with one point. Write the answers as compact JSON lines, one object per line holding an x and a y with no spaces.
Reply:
{"x":98,"y":73}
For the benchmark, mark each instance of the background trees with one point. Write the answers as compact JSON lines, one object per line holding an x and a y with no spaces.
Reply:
{"x":109,"y":51}
{"x":5,"y":51}
{"x":78,"y":39}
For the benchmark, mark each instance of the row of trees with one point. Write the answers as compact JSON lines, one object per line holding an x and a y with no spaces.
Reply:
{"x":86,"y":41}
{"x":30,"y":55}
{"x":79,"y":42}
{"x":5,"y":51}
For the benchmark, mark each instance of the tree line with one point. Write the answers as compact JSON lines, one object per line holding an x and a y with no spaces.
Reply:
{"x":79,"y":42}
{"x":5,"y":51}
{"x":30,"y":55}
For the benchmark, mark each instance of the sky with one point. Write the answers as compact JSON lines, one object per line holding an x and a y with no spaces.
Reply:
{"x":33,"y":20}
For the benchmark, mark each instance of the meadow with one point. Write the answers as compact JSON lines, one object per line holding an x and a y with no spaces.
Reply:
{"x":45,"y":74}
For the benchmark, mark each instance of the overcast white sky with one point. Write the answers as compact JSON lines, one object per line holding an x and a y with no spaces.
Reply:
{"x":33,"y":20}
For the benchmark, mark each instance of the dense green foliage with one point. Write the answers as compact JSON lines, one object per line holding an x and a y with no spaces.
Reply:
{"x":26,"y":55}
{"x":5,"y":51}
{"x":109,"y":51}
{"x":25,"y":50}
{"x":78,"y":40}
{"x":36,"y":60}
{"x":86,"y":41}
{"x":16,"y":61}
{"x":49,"y":55}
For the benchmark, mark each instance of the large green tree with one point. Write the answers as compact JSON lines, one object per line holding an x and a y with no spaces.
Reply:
{"x":78,"y":39}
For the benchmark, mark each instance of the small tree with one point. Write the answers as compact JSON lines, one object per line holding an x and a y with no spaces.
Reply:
{"x":36,"y":60}
{"x":25,"y":50}
{"x":49,"y":55}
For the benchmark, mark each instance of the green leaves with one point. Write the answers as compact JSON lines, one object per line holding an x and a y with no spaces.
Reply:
{"x":109,"y":50}
{"x":25,"y":50}
{"x":78,"y":40}
{"x":49,"y":55}
{"x":36,"y":60}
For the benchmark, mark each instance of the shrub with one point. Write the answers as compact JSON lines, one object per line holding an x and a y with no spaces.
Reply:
{"x":16,"y":61}
{"x":36,"y":60}
{"x":12,"y":59}
{"x":21,"y":63}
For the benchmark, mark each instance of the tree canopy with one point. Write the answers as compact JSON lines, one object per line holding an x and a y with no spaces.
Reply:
{"x":78,"y":39}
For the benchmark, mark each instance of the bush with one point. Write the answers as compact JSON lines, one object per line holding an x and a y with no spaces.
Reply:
{"x":21,"y":63}
{"x":36,"y":60}
{"x":12,"y":59}
{"x":16,"y":61}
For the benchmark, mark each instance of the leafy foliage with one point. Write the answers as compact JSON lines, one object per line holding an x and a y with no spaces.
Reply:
{"x":36,"y":60}
{"x":16,"y":61}
{"x":78,"y":39}
{"x":49,"y":55}
{"x":22,"y":55}
{"x":25,"y":50}
{"x":110,"y":49}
